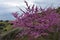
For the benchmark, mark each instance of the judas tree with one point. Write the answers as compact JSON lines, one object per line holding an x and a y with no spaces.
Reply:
{"x":36,"y":22}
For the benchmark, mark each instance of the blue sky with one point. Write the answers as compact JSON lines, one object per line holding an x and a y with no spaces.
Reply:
{"x":9,"y":6}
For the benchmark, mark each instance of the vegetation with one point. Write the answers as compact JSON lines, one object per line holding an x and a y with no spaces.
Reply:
{"x":32,"y":25}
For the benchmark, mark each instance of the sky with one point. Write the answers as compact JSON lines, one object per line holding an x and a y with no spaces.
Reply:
{"x":9,"y":6}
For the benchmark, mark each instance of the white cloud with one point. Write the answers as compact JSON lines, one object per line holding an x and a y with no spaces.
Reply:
{"x":46,"y":3}
{"x":9,"y":6}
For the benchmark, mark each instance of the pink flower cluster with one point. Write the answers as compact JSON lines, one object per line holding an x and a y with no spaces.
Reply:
{"x":35,"y":21}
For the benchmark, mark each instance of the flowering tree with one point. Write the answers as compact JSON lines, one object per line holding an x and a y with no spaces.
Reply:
{"x":37,"y":21}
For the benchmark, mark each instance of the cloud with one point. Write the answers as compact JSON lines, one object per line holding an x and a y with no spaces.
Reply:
{"x":6,"y":17}
{"x":9,"y":6}
{"x":43,"y":3}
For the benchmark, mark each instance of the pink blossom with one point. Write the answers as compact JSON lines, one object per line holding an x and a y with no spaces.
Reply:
{"x":37,"y":23}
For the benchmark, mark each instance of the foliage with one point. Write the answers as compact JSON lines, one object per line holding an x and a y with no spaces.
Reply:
{"x":37,"y":22}
{"x":58,"y":10}
{"x":34,"y":24}
{"x":1,"y":20}
{"x":5,"y":26}
{"x":9,"y":35}
{"x":7,"y":32}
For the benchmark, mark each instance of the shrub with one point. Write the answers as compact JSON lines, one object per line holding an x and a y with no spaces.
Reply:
{"x":7,"y":21}
{"x":1,"y":20}
{"x":37,"y":21}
